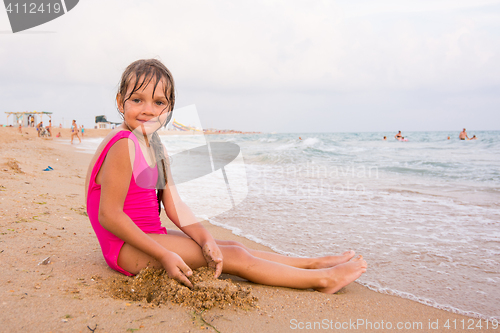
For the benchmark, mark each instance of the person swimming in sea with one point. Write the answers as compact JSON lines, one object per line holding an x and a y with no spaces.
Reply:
{"x":463,"y":135}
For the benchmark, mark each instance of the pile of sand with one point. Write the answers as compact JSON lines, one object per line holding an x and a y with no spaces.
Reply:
{"x":13,"y":165}
{"x":153,"y":286}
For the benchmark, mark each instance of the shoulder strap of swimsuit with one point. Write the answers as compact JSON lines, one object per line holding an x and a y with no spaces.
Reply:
{"x":100,"y":160}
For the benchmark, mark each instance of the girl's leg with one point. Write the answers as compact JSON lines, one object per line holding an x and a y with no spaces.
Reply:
{"x":238,"y":261}
{"x":309,"y":263}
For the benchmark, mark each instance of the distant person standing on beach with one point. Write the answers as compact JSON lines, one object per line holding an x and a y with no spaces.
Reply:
{"x":83,"y":130}
{"x":74,"y":131}
{"x":49,"y":128}
{"x":463,"y":135}
{"x":398,"y":136}
{"x":39,"y":127}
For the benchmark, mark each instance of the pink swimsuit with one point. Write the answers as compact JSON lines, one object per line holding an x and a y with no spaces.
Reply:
{"x":140,"y":205}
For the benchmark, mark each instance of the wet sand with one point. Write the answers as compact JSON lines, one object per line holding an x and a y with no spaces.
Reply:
{"x":42,"y":214}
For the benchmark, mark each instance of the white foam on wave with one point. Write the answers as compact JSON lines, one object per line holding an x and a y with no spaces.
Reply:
{"x":427,"y":301}
{"x":287,"y":146}
{"x":267,"y":140}
{"x":309,"y":142}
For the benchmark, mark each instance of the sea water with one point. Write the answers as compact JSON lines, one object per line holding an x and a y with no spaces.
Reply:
{"x":425,"y":213}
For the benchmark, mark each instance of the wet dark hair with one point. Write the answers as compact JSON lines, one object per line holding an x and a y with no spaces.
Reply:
{"x":142,"y":73}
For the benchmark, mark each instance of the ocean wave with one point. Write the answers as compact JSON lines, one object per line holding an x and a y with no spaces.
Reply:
{"x":310,"y":142}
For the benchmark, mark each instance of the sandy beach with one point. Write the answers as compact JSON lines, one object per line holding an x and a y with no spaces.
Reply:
{"x":42,"y":214}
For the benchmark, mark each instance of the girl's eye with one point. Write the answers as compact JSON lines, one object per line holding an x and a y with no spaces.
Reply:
{"x":136,"y":100}
{"x":160,"y":103}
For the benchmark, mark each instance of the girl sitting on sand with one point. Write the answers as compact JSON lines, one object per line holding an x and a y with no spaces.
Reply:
{"x":129,"y":177}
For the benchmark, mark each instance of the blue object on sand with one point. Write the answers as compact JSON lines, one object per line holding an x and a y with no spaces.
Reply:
{"x":49,"y":168}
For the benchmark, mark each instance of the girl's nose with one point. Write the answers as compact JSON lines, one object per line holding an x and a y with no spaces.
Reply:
{"x":148,"y":108}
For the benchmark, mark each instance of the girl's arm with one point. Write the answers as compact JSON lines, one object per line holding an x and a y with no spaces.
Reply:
{"x":115,"y":175}
{"x":182,"y":216}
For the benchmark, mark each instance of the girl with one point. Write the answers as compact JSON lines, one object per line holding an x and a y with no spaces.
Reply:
{"x":123,"y":204}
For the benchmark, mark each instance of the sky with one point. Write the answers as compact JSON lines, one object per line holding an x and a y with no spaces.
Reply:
{"x":270,"y":66}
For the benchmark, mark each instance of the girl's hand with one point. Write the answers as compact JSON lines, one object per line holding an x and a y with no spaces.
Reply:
{"x":213,"y":256}
{"x":176,"y":268}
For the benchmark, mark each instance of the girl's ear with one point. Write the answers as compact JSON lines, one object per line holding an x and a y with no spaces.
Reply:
{"x":119,"y":102}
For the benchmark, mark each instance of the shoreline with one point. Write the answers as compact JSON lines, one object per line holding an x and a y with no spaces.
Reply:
{"x":43,"y":214}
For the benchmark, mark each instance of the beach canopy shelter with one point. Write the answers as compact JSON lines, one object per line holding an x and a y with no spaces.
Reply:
{"x":27,"y":118}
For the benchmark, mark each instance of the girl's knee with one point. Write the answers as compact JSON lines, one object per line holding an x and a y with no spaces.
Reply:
{"x":233,"y":243}
{"x":230,"y":243}
{"x":236,"y":259}
{"x":235,"y":253}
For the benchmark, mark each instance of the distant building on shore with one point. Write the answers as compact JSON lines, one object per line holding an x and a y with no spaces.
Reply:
{"x":102,"y":122}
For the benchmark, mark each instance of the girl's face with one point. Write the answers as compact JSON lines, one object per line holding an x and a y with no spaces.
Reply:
{"x":145,"y":109}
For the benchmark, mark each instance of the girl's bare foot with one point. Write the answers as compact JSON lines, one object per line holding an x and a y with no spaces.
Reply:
{"x":343,"y":274}
{"x":331,"y":261}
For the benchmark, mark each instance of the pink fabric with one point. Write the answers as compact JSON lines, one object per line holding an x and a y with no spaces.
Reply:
{"x":140,"y":204}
